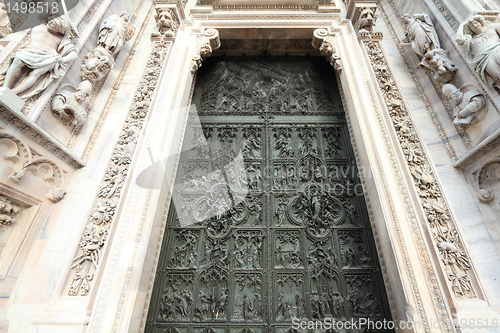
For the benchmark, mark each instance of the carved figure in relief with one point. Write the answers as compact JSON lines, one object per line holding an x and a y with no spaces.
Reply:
{"x":481,"y":41}
{"x":284,"y":311}
{"x":175,"y":304}
{"x":283,"y":145}
{"x":5,"y":28}
{"x":420,"y":33}
{"x":366,"y":19}
{"x":96,"y":65}
{"x":254,"y":178}
{"x":348,"y":256}
{"x":438,"y":61}
{"x":337,"y":304}
{"x":368,"y":307}
{"x":46,"y":58}
{"x":114,"y":32}
{"x":252,"y":147}
{"x":69,"y":104}
{"x":280,"y":212}
{"x":466,"y":105}
{"x":165,"y":20}
{"x":301,"y":307}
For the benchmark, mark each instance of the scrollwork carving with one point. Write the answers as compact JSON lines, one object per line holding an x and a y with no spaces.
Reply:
{"x":206,"y":43}
{"x":488,"y":177}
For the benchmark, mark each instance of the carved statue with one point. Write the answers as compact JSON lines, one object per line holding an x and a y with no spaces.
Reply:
{"x":481,"y":41}
{"x":69,"y":104}
{"x":5,"y":28}
{"x":114,"y":32}
{"x":165,"y":21}
{"x":366,"y":19}
{"x":47,"y":57}
{"x":466,"y":104}
{"x":420,"y":33}
{"x":438,"y":61}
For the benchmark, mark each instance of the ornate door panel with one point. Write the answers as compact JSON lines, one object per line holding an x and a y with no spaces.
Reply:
{"x":267,"y":222}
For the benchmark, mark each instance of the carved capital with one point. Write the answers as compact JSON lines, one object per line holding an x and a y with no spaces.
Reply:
{"x":205,"y":44}
{"x":325,"y":42}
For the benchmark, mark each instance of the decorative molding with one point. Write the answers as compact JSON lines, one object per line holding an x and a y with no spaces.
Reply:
{"x":89,"y":15}
{"x":19,"y":152}
{"x":264,"y":17}
{"x":456,"y":263}
{"x":445,"y":13}
{"x":95,"y":235}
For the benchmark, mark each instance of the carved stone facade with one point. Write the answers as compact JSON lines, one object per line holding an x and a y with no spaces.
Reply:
{"x":178,"y":168}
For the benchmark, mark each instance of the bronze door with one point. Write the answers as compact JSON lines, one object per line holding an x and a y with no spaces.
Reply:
{"x":268,"y":226}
